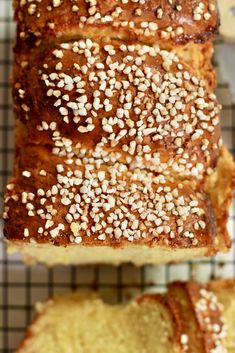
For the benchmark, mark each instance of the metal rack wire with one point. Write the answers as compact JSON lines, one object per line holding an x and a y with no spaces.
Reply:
{"x":22,"y":286}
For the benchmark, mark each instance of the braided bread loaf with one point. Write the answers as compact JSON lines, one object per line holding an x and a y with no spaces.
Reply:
{"x":188,"y":318}
{"x":118,"y":144}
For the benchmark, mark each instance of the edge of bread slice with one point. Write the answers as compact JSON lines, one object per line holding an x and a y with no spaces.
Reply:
{"x":81,"y":322}
{"x":219,"y":187}
{"x":225,"y":292}
{"x":190,"y":317}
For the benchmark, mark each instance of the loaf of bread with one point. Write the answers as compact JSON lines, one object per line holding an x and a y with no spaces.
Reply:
{"x":189,"y":318}
{"x":119,"y":155}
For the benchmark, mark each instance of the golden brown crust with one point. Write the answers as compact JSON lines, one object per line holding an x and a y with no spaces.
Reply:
{"x":225,"y":291}
{"x":106,"y":204}
{"x":203,"y":305}
{"x":193,"y":335}
{"x":131,"y":99}
{"x":148,"y":21}
{"x":209,"y":316}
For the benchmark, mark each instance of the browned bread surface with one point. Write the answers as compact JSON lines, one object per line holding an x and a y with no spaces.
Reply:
{"x":95,"y":197}
{"x":147,"y":21}
{"x":84,"y":200}
{"x":104,"y":202}
{"x":134,"y":99}
{"x":129,"y":140}
{"x":195,"y":339}
{"x":118,"y":142}
{"x":201,"y":314}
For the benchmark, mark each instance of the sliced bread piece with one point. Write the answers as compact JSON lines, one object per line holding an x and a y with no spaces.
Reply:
{"x":190,"y":317}
{"x":84,"y":324}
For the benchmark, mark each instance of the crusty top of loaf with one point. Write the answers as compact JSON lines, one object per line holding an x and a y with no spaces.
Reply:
{"x":76,"y":195}
{"x":144,"y":20}
{"x":134,"y":99}
{"x":114,"y":143}
{"x":114,"y":140}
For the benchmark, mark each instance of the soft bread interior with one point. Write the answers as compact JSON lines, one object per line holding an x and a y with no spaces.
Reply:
{"x":190,"y":317}
{"x":137,"y":254}
{"x":76,"y":324}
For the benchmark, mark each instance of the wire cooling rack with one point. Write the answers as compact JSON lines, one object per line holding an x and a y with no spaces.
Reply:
{"x":22,"y":286}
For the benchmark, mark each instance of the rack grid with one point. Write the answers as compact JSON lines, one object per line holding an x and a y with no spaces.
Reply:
{"x":22,"y":286}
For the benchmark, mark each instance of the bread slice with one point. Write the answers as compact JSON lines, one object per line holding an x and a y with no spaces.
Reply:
{"x":84,"y":324}
{"x":190,"y":317}
{"x":66,"y":242}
